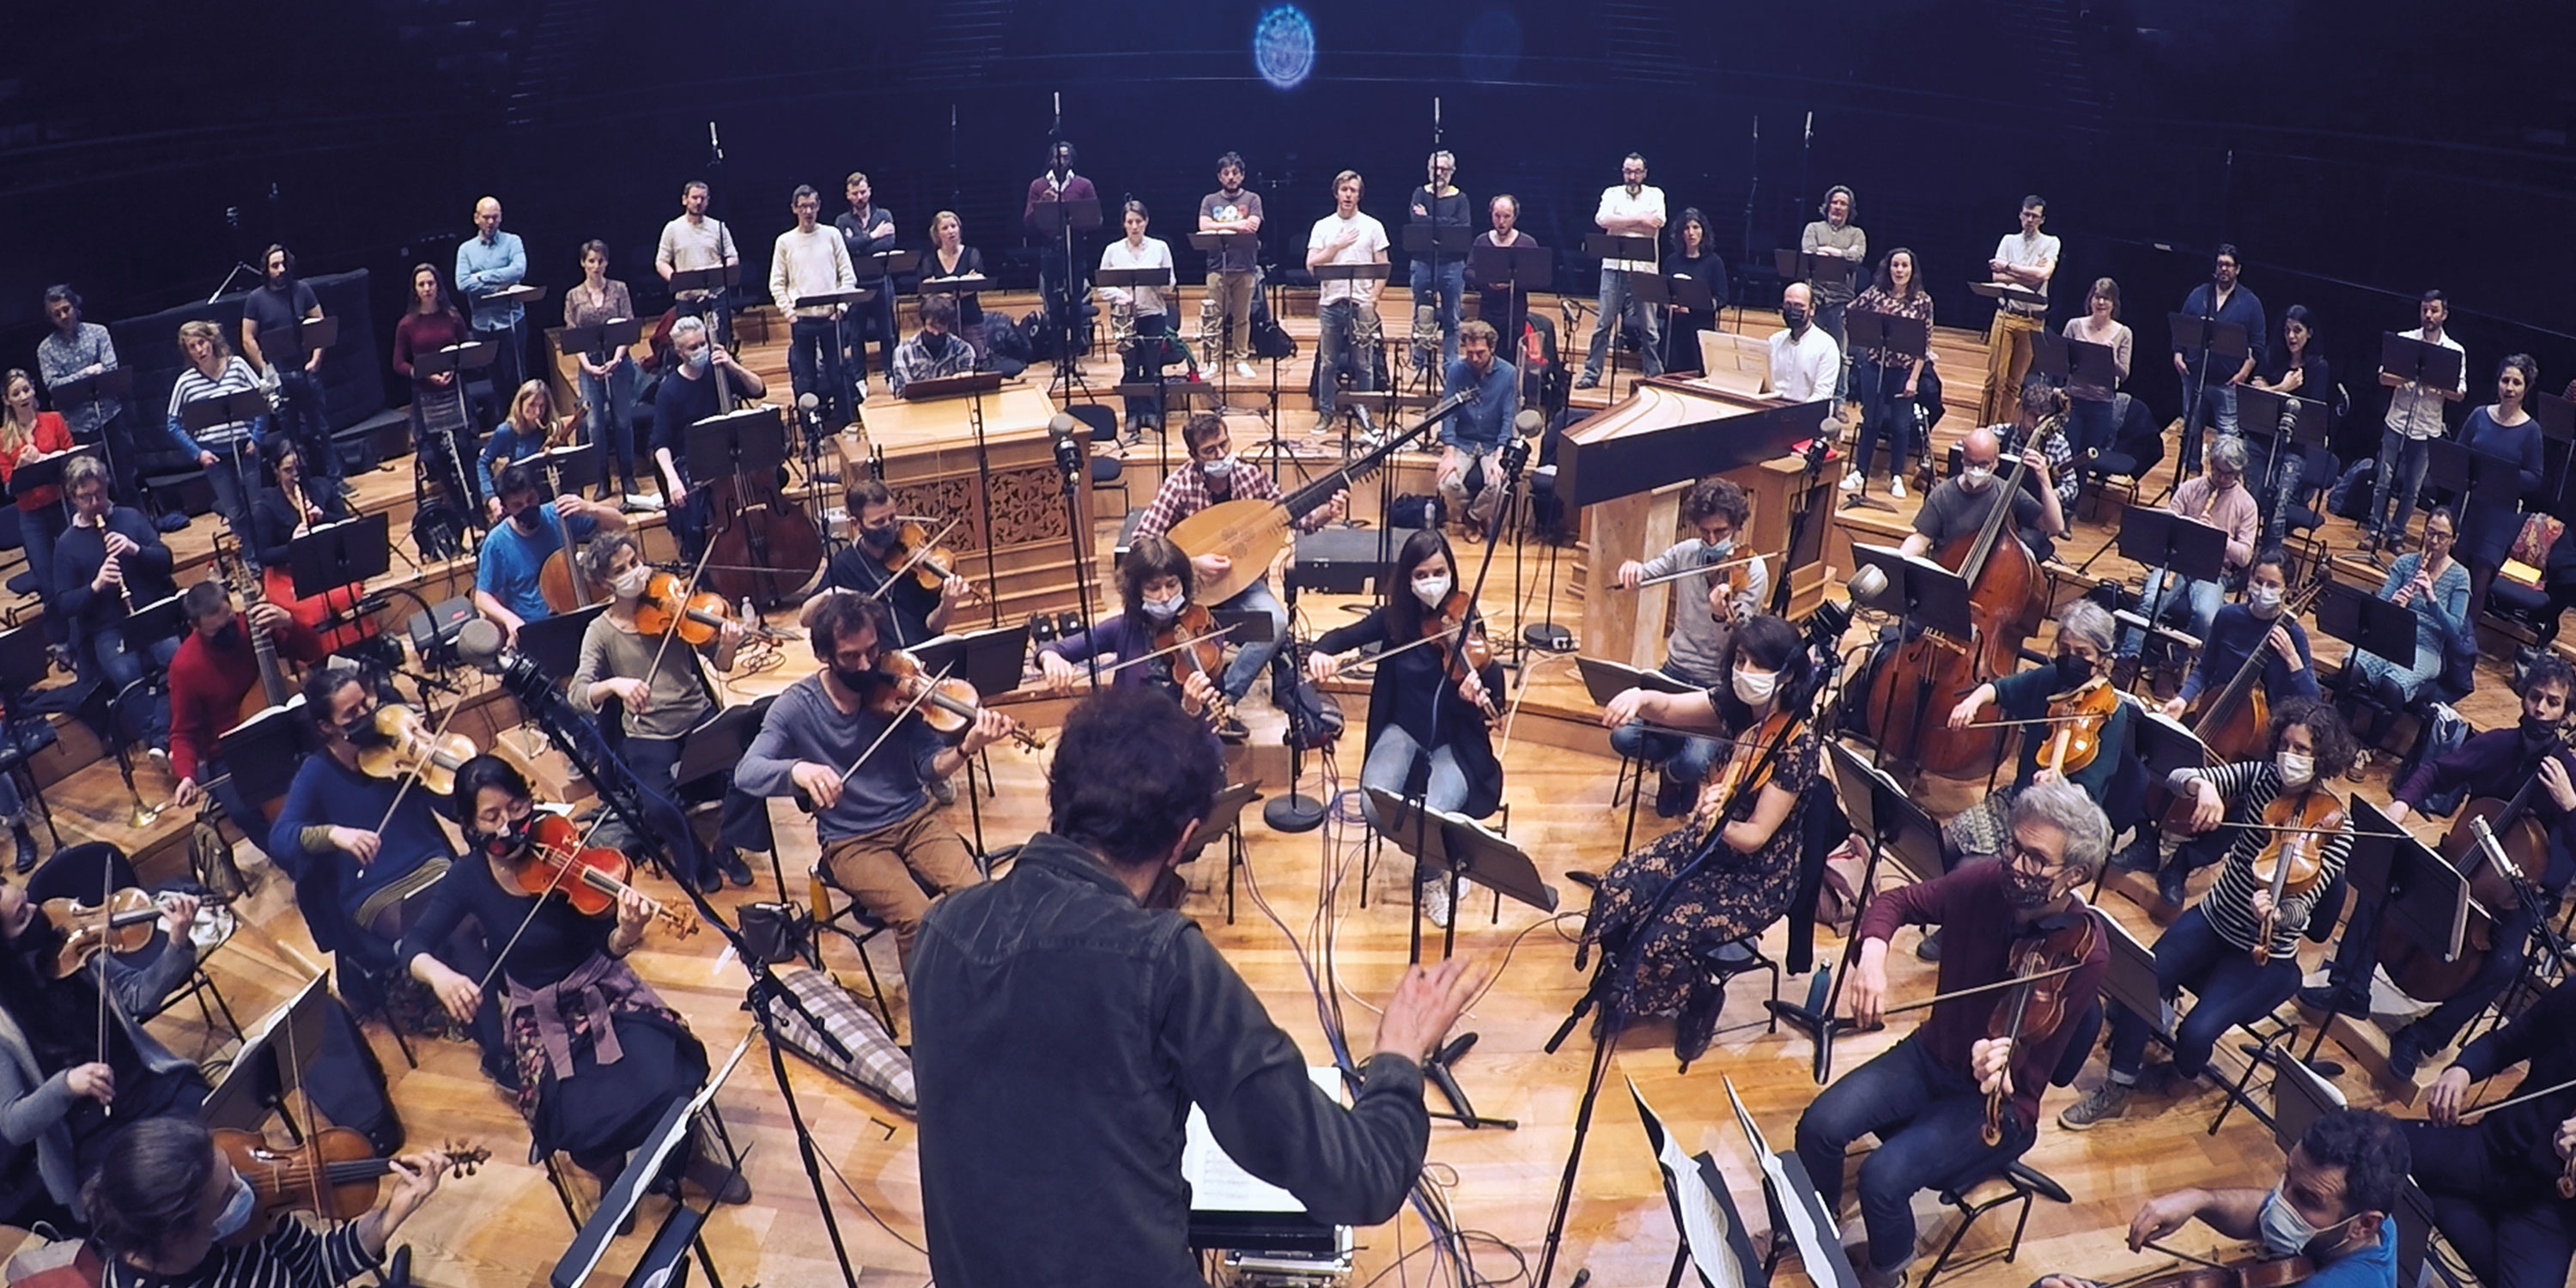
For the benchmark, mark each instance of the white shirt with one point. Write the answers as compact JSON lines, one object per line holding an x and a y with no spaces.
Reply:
{"x":815,"y":263}
{"x":1648,"y":205}
{"x":2038,"y":251}
{"x":686,"y":246}
{"x":1803,"y":370}
{"x":1370,"y":244}
{"x":1153,"y":254}
{"x":2414,"y":409}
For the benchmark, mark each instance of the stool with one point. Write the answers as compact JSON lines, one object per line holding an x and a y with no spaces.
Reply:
{"x":2273,"y":1037}
{"x":2019,"y":1183}
{"x":1743,"y":957}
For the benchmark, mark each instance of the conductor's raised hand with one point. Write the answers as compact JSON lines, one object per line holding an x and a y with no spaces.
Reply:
{"x":1427,"y":1001}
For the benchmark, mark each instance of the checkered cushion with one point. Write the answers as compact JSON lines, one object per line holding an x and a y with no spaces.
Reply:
{"x":876,"y":1065}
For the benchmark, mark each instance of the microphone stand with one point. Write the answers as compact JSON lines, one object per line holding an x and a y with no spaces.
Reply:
{"x":1068,"y":464}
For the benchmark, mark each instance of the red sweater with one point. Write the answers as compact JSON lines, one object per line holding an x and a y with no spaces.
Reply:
{"x":207,"y":684}
{"x":50,"y":435}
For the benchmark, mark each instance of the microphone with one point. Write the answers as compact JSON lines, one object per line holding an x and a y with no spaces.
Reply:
{"x":1529,"y":424}
{"x":808,"y":407}
{"x":715,"y":146}
{"x":1068,"y":453}
{"x":1867,"y":586}
{"x":479,"y":642}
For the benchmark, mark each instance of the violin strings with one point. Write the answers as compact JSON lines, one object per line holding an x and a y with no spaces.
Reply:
{"x":671,"y":628}
{"x":917,"y":556}
{"x":412,"y":775}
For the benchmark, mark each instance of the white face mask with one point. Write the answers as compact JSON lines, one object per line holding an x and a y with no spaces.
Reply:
{"x":2264,"y":600}
{"x":1754,"y":688}
{"x":2295,"y":768}
{"x":1218,"y":468}
{"x":2285,"y":1233}
{"x":630,"y":584}
{"x":1164,"y":610}
{"x":1431,"y":590}
{"x":1976,"y":477}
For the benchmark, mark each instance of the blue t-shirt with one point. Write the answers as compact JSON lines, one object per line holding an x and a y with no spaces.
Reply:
{"x":2370,"y":1268}
{"x":511,"y":561}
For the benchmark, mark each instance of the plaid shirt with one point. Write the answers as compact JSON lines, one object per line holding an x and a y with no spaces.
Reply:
{"x":913,"y":362}
{"x":1185,"y":493}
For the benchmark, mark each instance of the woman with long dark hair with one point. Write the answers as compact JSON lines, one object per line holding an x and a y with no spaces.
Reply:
{"x":1695,"y":257}
{"x":1887,"y":380}
{"x":441,"y":426}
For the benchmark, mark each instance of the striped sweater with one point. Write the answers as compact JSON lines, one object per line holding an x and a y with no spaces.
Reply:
{"x":192,"y":386}
{"x":2229,"y":905}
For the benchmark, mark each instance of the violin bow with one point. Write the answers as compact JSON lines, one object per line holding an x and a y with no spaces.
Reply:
{"x":1218,"y":634}
{"x":412,"y":775}
{"x":1938,"y":998}
{"x":1719,"y":566}
{"x":919,"y":553}
{"x":2524,"y":1098}
{"x":671,"y":629}
{"x":909,"y":706}
{"x":106,"y":895}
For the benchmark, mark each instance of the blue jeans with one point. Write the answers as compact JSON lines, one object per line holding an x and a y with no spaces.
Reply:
{"x":1640,"y":321}
{"x":235,"y":479}
{"x":1336,"y":323}
{"x":1452,"y":283}
{"x":814,"y":367}
{"x":1390,"y":766}
{"x":2403,"y":458}
{"x":863,"y":321}
{"x":122,"y":666}
{"x":2227,"y":989}
{"x":2163,"y":588}
{"x":1927,"y":1119}
{"x":611,"y":399}
{"x":2091,"y":424}
{"x":37,"y":529}
{"x":1829,"y":319}
{"x":1257,"y":649}
{"x":1683,"y":759}
{"x":1888,"y":412}
{"x":2215,"y":405}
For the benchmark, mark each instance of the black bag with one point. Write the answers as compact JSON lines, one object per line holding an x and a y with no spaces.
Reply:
{"x":346,"y":1082}
{"x":1315,"y":718}
{"x":1271,"y":340}
{"x":1413,"y":510}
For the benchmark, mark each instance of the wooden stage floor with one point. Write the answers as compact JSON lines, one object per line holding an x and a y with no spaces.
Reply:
{"x":503,"y":1227}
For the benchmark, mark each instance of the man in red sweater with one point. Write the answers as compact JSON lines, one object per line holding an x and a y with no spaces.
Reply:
{"x":216,"y":667}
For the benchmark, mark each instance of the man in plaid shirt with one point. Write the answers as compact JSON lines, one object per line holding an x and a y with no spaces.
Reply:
{"x":1216,"y":476}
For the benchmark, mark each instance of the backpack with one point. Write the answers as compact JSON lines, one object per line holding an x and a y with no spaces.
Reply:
{"x":1315,"y":719}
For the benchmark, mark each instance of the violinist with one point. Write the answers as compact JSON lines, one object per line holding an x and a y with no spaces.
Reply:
{"x":1937,"y":1080}
{"x":687,"y":395}
{"x":599,"y":1056}
{"x":1154,"y":589}
{"x":2499,"y":1187}
{"x":655,"y":680}
{"x":1696,"y":650}
{"x":1747,"y":883}
{"x":1427,"y":712}
{"x":67,"y":1055}
{"x":216,"y":667}
{"x":1222,"y":476}
{"x":169,"y":1206}
{"x":2286,"y":838}
{"x":867,"y":568}
{"x":2218,"y":498}
{"x":2335,"y":1205}
{"x":882,"y":839}
{"x":1958,"y":505}
{"x":2044,"y":703}
{"x":2497,"y":765}
{"x":508,"y":575}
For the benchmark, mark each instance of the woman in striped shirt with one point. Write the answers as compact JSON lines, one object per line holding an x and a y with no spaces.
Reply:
{"x":2210,"y":948}
{"x":229,"y":451}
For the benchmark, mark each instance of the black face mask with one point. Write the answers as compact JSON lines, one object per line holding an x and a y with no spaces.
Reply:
{"x":528,"y":521}
{"x":2536,"y":734}
{"x":2026,"y":891}
{"x":2072,"y":670}
{"x":1796,"y":318}
{"x":364,"y":733}
{"x":509,"y":840}
{"x":37,"y":944}
{"x":857,"y":681}
{"x":229,"y":637}
{"x":877,"y":538}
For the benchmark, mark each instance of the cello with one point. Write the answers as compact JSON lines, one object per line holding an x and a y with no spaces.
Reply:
{"x":2235,"y":721}
{"x":1927,"y":675}
{"x":2500,"y":847}
{"x":765,"y":547}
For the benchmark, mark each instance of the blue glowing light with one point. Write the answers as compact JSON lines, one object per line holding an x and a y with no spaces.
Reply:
{"x":1283,"y":46}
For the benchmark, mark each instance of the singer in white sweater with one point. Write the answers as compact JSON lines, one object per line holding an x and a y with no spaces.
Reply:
{"x":810,"y":260}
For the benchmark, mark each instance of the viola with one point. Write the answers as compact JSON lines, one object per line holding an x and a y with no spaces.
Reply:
{"x":698,"y":616}
{"x":411,"y":748}
{"x":2038,"y":1000}
{"x":335,"y":1174}
{"x":2077,"y":719}
{"x":2235,"y":720}
{"x":1192,"y":637}
{"x":2262,"y":1272}
{"x":589,"y":877}
{"x":916,"y":552}
{"x":1457,"y":634}
{"x":948,"y":705}
{"x":122,"y":923}
{"x":2293,"y":863}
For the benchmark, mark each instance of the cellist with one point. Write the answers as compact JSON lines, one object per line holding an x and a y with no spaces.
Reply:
{"x":2237,"y":949}
{"x":1958,"y":505}
{"x":1936,"y":1081}
{"x":2493,"y":764}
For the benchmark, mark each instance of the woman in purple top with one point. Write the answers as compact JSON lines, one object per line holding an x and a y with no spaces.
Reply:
{"x":1154,"y":589}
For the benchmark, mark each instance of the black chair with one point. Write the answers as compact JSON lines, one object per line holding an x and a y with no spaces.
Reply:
{"x":1107,"y":472}
{"x":24,"y":582}
{"x":85,"y":871}
{"x":1985,"y":1187}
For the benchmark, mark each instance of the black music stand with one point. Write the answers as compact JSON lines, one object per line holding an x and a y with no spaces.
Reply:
{"x":602,"y":340}
{"x":716,"y":281}
{"x":520,"y":295}
{"x":1604,"y":679}
{"x":300,"y":340}
{"x":2437,"y":367}
{"x":990,"y":660}
{"x":239,"y":406}
{"x":972,"y":387}
{"x":338,"y":555}
{"x":1817,"y":270}
{"x":1927,"y":597}
{"x":2476,"y":477}
{"x":554,"y":643}
{"x":1518,"y":270}
{"x":663,"y":1262}
{"x":1898,"y":829}
{"x":1871,"y":329}
{"x":1605,"y":247}
{"x":1188,"y":392}
{"x":473,"y":355}
{"x":1711,"y":1231}
{"x":1160,"y":278}
{"x":1215,"y":246}
{"x":2184,"y":550}
{"x":261,"y":753}
{"x":2202,"y":338}
{"x":2368,"y":623}
{"x":1057,"y":221}
{"x":154,"y":622}
{"x":1223,"y":816}
{"x":1816,"y":1236}
{"x":1451,"y":847}
{"x":2297,"y":427}
{"x":1363,"y":372}
{"x":47,"y":470}
{"x":267,"y":1069}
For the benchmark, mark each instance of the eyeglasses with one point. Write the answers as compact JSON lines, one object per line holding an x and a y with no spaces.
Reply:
{"x":2021,"y":858}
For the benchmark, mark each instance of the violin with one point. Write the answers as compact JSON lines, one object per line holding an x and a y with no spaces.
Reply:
{"x":916,"y":552}
{"x":411,"y":747}
{"x":698,"y":616}
{"x":2038,"y":1001}
{"x":2078,"y":718}
{"x":2259,"y":1272}
{"x":1461,"y":643}
{"x":589,"y":877}
{"x":1730,"y":794}
{"x":334,"y":1174}
{"x":2292,"y":864}
{"x":1192,"y":636}
{"x":949,"y":705}
{"x":122,"y":923}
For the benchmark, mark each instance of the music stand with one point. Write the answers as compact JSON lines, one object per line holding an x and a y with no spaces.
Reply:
{"x":241,"y":406}
{"x":2008,"y":292}
{"x":154,"y":622}
{"x":1713,"y":1237}
{"x":1605,"y":247}
{"x":1898,"y":829}
{"x":303,"y":338}
{"x":1927,"y":597}
{"x":1815,"y":1233}
{"x":1057,"y":221}
{"x":521,"y":295}
{"x":47,"y":470}
{"x":2049,"y":355}
{"x":2425,"y":895}
{"x":1604,"y":679}
{"x":1442,"y":244}
{"x":643,"y":1168}
{"x":1224,"y":813}
{"x":2556,"y":415}
{"x":261,"y":1075}
{"x":1518,"y":270}
{"x":2184,"y":550}
{"x":2370,"y":624}
{"x":2475,"y":476}
{"x":2299,"y":1099}
{"x":336,"y":556}
{"x":1817,"y":270}
{"x":1458,"y":847}
{"x":711,"y":280}
{"x":601,"y":340}
{"x":2437,"y":367}
{"x":1907,"y":338}
{"x":554,"y":643}
{"x":472,"y":355}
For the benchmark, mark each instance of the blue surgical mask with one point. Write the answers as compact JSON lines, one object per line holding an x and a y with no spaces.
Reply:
{"x":699,"y":361}
{"x":1218,"y":468}
{"x":2285,"y":1233}
{"x":1713,"y":551}
{"x":237,"y":1212}
{"x":1164,"y":610}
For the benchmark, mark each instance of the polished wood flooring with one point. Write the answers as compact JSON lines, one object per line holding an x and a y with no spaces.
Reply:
{"x":504,"y":1226}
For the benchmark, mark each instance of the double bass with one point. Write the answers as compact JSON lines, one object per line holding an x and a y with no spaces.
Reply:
{"x":766,"y":548}
{"x":1922,"y":678}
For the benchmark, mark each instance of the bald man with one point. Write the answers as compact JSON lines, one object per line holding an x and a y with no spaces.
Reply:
{"x":488,"y":261}
{"x":1805,"y":362}
{"x":1959,"y":506}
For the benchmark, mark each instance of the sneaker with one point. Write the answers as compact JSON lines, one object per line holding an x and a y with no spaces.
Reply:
{"x":1323,"y":424}
{"x":2110,"y":1100}
{"x":649,"y":502}
{"x":1896,"y":488}
{"x":1589,"y":381}
{"x":2138,"y":855}
{"x":2406,"y":1051}
{"x":1851,"y":483}
{"x":1435,"y":902}
{"x":2173,"y":883}
{"x":1873,"y":1277}
{"x":1243,"y":368}
{"x":2331,"y":1000}
{"x":1233,"y":730}
{"x":729,"y":862}
{"x":1930,"y":949}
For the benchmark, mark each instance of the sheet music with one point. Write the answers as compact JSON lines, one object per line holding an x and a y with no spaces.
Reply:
{"x":1793,"y":1208}
{"x":1703,"y":1221}
{"x":1219,"y":1184}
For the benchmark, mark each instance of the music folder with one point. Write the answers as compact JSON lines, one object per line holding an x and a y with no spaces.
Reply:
{"x":2437,"y":367}
{"x":1232,"y":1208}
{"x":2370,"y":624}
{"x":1605,"y":679}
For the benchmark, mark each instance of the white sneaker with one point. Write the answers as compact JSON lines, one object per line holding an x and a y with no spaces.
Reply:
{"x":1243,"y":368}
{"x":643,"y":501}
{"x":1896,"y":488}
{"x":1435,"y":902}
{"x":1851,"y":483}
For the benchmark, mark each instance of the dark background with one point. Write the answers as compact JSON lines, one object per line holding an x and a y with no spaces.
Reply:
{"x":2357,"y":150}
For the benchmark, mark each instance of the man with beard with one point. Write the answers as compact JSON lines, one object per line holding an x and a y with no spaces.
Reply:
{"x":215,"y":668}
{"x":507,"y":572}
{"x":277,"y":311}
{"x":916,"y":612}
{"x":1230,"y":277}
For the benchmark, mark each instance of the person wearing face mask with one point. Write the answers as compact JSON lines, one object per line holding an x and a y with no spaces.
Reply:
{"x":2220,"y":499}
{"x":1154,"y":590}
{"x":1695,"y":652}
{"x":510,"y":567}
{"x":655,"y":680}
{"x":2335,"y":1204}
{"x":1422,"y":724}
{"x":68,"y":1086}
{"x":1747,"y":885}
{"x":2497,"y":764}
{"x":1805,"y":360}
{"x":1959,"y":504}
{"x":687,"y":395}
{"x":1222,"y":476}
{"x":215,"y":668}
{"x":1925,"y":1097}
{"x":2083,"y":643}
{"x":917,"y":612}
{"x":2209,"y":949}
{"x":166,"y":1201}
{"x":600,"y":1057}
{"x":2494,"y":1185}
{"x":936,"y":351}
